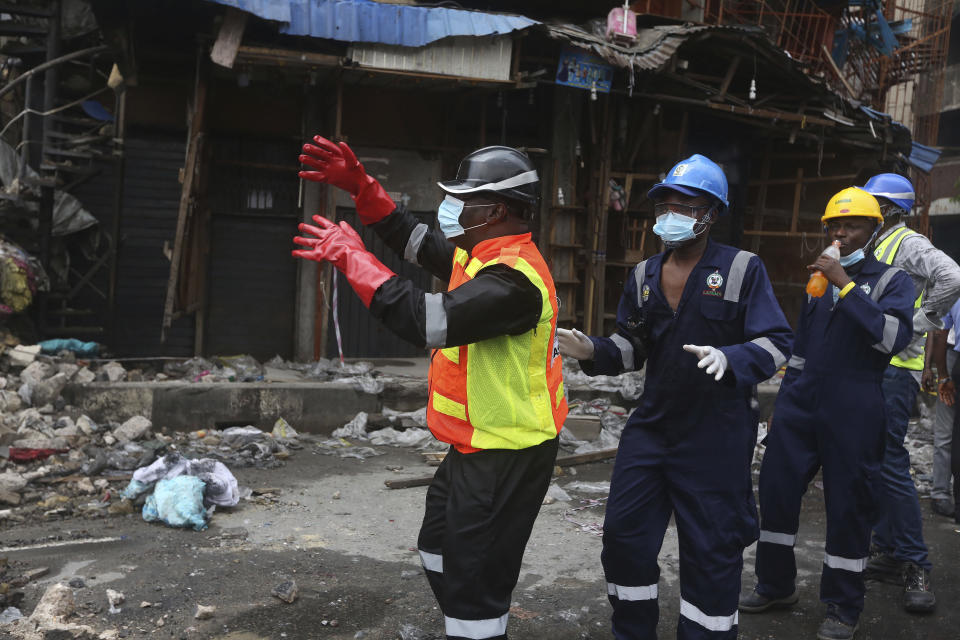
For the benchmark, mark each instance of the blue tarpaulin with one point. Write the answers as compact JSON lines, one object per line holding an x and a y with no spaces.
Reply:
{"x":923,"y":157}
{"x":368,"y":21}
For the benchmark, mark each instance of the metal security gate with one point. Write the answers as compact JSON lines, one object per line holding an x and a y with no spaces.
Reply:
{"x":363,"y":335}
{"x":252,"y":276}
{"x":151,"y":193}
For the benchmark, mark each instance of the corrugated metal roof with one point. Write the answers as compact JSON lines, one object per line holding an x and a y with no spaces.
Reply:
{"x":368,"y":21}
{"x":474,"y":58}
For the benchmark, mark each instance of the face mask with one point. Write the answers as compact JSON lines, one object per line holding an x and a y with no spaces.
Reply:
{"x":675,"y":229}
{"x":858,"y":255}
{"x":448,"y":214}
{"x":853,"y":258}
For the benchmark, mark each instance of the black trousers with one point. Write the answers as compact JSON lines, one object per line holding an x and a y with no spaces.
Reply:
{"x":480,"y":509}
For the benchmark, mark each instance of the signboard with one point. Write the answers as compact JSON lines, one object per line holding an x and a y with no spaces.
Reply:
{"x":577,"y":68}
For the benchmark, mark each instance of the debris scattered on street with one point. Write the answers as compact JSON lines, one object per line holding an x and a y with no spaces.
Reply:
{"x":286,"y":591}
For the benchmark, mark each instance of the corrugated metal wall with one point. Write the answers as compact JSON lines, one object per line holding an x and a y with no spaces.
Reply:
{"x":151,"y":198}
{"x":363,"y":335}
{"x":252,"y":276}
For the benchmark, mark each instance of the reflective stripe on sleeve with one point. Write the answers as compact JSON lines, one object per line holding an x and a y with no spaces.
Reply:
{"x":857,"y":565}
{"x":797,"y":362}
{"x":413,"y":243}
{"x":882,"y":283}
{"x":640,"y":275}
{"x":431,"y":561}
{"x":778,"y":538}
{"x":476,"y":629}
{"x":436,"y":320}
{"x":890,"y":328}
{"x":626,"y":350}
{"x":632,"y":594}
{"x":712,"y":623}
{"x":765,"y":344}
{"x":738,"y":270}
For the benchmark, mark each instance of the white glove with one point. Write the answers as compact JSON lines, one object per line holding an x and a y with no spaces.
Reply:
{"x":575,"y":344}
{"x":711,"y":358}
{"x":913,"y":349}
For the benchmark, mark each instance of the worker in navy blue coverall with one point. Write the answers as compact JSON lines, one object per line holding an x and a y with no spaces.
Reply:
{"x":687,"y":448}
{"x":830,"y":413}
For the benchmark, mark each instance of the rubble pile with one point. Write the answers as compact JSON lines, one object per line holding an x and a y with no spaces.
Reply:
{"x":57,"y":462}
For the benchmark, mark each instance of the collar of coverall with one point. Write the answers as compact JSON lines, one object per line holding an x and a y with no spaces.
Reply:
{"x":491,"y":247}
{"x":883,"y":236}
{"x":708,"y":259}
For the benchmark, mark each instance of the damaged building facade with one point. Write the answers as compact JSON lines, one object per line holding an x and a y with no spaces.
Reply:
{"x":185,"y":119}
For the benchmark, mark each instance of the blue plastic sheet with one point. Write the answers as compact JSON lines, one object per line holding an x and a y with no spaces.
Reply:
{"x":82,"y":349}
{"x":177,"y":502}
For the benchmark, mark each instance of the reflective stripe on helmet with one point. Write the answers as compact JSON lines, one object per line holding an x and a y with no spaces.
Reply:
{"x":907,"y":195}
{"x":516,"y":181}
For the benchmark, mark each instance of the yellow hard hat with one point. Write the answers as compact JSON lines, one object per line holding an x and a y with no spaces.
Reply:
{"x":852,"y":201}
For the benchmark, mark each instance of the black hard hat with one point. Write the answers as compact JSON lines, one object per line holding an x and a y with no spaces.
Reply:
{"x":496,"y":170}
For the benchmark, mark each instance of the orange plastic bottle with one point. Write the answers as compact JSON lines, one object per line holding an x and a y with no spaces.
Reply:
{"x":817,"y":284}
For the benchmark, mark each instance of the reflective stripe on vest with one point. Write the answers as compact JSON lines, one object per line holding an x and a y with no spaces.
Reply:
{"x":885,"y":252}
{"x":505,"y":392}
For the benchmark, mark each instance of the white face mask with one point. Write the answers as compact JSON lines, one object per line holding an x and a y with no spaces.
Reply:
{"x":448,"y":214}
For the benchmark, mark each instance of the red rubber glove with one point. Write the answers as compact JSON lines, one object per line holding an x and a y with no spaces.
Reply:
{"x":337,"y":165}
{"x":341,"y":246}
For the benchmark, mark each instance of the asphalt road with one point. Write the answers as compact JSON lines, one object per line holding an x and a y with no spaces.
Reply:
{"x":348,"y":542}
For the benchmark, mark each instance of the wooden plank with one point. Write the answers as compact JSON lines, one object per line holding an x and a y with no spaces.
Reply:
{"x":186,"y":199}
{"x":229,"y":37}
{"x":562,"y":461}
{"x":728,"y":78}
{"x":283,"y":57}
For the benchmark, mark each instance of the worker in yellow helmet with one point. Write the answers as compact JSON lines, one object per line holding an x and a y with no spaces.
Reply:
{"x":830,"y":415}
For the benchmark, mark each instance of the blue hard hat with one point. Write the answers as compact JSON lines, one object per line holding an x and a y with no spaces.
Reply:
{"x":893,"y":187}
{"x":695,"y":176}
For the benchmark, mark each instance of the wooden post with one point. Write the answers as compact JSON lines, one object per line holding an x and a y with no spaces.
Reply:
{"x":761,"y":196}
{"x":326,"y":273}
{"x":797,"y":191}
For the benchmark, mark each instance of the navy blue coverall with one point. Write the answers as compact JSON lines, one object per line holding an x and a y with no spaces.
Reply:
{"x":830,"y":413}
{"x":686,"y":450}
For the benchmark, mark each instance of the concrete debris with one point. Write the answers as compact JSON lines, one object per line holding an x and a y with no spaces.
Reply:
{"x":133,"y":429}
{"x":113,"y":372}
{"x":286,"y":591}
{"x":55,"y":606}
{"x":205,"y":612}
{"x":115,"y":599}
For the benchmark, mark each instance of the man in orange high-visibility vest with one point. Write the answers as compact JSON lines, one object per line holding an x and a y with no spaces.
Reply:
{"x":495,"y":389}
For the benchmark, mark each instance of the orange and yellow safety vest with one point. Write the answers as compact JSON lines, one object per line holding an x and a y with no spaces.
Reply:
{"x":504,"y":392}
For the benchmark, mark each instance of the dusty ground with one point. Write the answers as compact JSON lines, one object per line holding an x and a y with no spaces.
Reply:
{"x":348,"y":543}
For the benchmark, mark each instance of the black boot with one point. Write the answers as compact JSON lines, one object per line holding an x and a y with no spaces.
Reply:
{"x":753,"y":602}
{"x":917,"y":593}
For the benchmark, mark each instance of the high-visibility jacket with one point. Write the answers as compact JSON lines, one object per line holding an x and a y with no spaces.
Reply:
{"x":885,"y":252}
{"x":504,"y":392}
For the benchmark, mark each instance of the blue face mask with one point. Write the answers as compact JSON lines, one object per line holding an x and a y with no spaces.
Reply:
{"x":448,"y":214}
{"x":853,"y":258}
{"x":675,"y":229}
{"x":858,"y":255}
